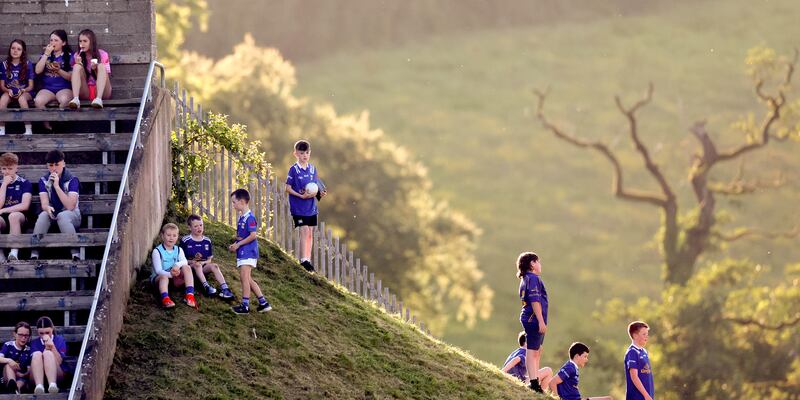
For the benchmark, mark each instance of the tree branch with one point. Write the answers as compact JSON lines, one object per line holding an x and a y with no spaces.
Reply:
{"x":745,"y":232}
{"x":762,"y":325}
{"x":617,"y":179}
{"x":739,"y":186}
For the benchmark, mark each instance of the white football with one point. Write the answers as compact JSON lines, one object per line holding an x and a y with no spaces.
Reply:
{"x":312,"y":188}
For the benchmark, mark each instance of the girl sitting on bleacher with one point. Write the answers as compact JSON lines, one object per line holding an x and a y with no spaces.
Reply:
{"x":91,"y":72}
{"x":56,"y":71}
{"x":15,"y":357}
{"x":47,"y":361}
{"x":17,"y":80}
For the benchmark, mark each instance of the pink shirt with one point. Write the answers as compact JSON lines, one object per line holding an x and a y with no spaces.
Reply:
{"x":104,"y":59}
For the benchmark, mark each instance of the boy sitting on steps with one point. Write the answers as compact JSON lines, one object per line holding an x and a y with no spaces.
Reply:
{"x":199,"y":252}
{"x":169,"y":263}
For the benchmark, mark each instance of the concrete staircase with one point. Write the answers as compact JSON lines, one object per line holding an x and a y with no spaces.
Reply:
{"x":95,"y":143}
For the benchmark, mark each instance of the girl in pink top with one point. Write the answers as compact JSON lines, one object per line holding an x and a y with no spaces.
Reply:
{"x":91,"y":72}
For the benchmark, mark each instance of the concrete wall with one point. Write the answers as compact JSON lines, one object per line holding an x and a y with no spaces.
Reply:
{"x":139,"y":222}
{"x":124,"y":28}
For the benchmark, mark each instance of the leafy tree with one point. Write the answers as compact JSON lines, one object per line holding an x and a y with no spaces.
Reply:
{"x":721,"y":331}
{"x":174,"y":18}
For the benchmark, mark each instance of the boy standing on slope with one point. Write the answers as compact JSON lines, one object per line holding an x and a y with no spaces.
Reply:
{"x":534,"y":311}
{"x":301,"y":203}
{"x":638,"y":373}
{"x":246,"y":248}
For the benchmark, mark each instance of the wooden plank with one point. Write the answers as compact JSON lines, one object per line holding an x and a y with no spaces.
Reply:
{"x":71,"y":334}
{"x":76,"y":142}
{"x":84,"y":172}
{"x":57,"y":396}
{"x":130,"y":102}
{"x":46,"y":301}
{"x":83,"y":114}
{"x":26,"y":269}
{"x":81,"y":239}
{"x":88,"y":207}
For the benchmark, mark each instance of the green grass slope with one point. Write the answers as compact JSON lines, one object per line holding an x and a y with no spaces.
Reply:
{"x":462,"y":104}
{"x":319,"y":342}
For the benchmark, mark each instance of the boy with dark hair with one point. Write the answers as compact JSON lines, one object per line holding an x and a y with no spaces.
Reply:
{"x":199,"y":252}
{"x":58,"y":191}
{"x":301,"y":203}
{"x":515,"y":364}
{"x":533,"y":317}
{"x":15,"y":200}
{"x":638,"y":373}
{"x":565,"y":383}
{"x":246,"y":248}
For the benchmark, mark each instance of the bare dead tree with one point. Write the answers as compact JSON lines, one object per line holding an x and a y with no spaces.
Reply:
{"x":683,"y":245}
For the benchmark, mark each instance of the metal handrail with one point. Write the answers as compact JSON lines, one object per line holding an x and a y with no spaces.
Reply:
{"x":123,"y":188}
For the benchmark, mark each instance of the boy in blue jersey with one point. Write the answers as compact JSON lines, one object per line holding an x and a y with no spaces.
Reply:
{"x":565,"y":383}
{"x":58,"y":191}
{"x":246,"y":248}
{"x":170,"y":265}
{"x":199,"y":252}
{"x":534,"y":311}
{"x":301,"y":204}
{"x":515,"y":364}
{"x":15,"y":358}
{"x":15,"y":200}
{"x":638,"y":373}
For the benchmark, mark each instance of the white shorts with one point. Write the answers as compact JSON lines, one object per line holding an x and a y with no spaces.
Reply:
{"x":246,"y":261}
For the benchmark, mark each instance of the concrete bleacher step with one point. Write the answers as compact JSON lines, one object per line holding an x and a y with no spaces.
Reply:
{"x":89,"y":204}
{"x":85,"y":238}
{"x":84,"y":172}
{"x":42,"y":269}
{"x":46,"y":301}
{"x":66,"y":142}
{"x":71,"y":334}
{"x":82,"y":114}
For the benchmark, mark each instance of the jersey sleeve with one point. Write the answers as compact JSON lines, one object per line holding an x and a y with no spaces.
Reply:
{"x":532,"y":292}
{"x":290,"y":178}
{"x":565,"y":372}
{"x":3,"y":350}
{"x":61,"y":345}
{"x":181,"y":258}
{"x":631,"y":360}
{"x":210,"y":248}
{"x":252,"y":224}
{"x":27,"y":187}
{"x":74,"y":185}
{"x":42,"y":185}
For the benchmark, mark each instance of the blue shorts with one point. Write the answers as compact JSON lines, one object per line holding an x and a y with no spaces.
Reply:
{"x":533,"y":339}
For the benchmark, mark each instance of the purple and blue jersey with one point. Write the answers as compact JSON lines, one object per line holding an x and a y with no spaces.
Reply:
{"x":247,"y":223}
{"x":520,"y":370}
{"x":298,"y":178}
{"x":21,"y":356}
{"x":568,"y":388}
{"x":11,"y":75}
{"x":71,"y":185}
{"x":531,"y":289}
{"x":638,"y":359}
{"x":15,"y":190}
{"x":198,"y":250}
{"x":51,"y":80}
{"x":61,"y":347}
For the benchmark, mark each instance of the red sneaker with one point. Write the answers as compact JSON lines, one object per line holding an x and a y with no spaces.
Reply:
{"x":190,"y":301}
{"x":167,"y":302}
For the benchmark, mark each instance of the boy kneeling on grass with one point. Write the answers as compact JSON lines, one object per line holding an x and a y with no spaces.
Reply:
{"x":169,"y":264}
{"x":199,"y":251}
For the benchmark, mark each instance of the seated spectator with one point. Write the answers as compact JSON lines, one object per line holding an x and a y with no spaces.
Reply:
{"x":15,"y":200}
{"x":17,"y":80}
{"x":15,"y":357}
{"x":56,"y":71}
{"x":47,"y":360}
{"x":565,"y":383}
{"x":515,"y":364}
{"x":169,"y":264}
{"x":58,"y":191}
{"x":91,"y":72}
{"x":199,"y":252}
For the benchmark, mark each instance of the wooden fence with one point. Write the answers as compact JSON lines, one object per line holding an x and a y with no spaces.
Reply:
{"x":270,"y":205}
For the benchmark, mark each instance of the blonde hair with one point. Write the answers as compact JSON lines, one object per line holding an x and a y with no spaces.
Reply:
{"x":168,"y":227}
{"x":9,"y":160}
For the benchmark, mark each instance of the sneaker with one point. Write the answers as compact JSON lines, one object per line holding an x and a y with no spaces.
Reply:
{"x":241,"y":309}
{"x":264,"y":307}
{"x":190,"y":301}
{"x":535,"y":386}
{"x":167,"y":302}
{"x":34,"y":255}
{"x":97,"y":103}
{"x":226,"y":294}
{"x":75,"y":103}
{"x":211,"y":290}
{"x":39,"y":389}
{"x":28,"y":130}
{"x":53,"y":388}
{"x":307,"y":265}
{"x":13,"y":255}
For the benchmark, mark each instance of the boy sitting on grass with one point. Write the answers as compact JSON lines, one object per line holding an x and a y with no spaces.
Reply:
{"x":169,"y":264}
{"x":199,"y":252}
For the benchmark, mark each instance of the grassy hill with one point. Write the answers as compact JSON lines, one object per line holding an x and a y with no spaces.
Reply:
{"x":462,"y":104}
{"x":319,"y":342}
